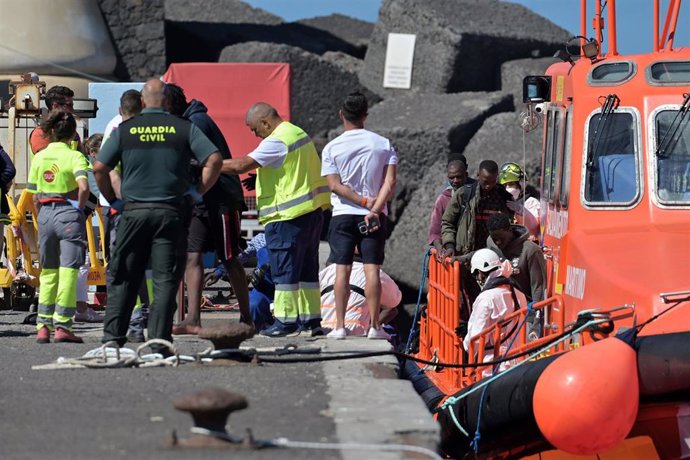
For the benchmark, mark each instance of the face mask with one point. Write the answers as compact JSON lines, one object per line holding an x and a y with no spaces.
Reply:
{"x":481,"y":280}
{"x":513,"y":190}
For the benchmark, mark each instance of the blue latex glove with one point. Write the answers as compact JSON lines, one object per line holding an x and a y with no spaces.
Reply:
{"x":75,"y":205}
{"x":118,"y":205}
{"x":193,"y":193}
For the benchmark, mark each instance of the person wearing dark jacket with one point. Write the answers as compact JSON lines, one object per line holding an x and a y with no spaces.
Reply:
{"x":511,"y":242}
{"x":215,"y":223}
{"x":7,"y":173}
{"x":463,"y":226}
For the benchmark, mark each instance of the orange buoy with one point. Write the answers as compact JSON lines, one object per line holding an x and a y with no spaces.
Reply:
{"x":586,"y":401}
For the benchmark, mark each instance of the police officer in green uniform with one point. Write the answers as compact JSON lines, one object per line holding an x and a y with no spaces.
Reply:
{"x":155,"y":149}
{"x":58,"y":180}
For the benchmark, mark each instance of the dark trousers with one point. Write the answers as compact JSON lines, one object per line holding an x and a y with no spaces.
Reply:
{"x":293,"y":252}
{"x":155,"y":235}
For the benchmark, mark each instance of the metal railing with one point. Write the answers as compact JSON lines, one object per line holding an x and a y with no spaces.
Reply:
{"x":23,"y":260}
{"x":439,"y":340}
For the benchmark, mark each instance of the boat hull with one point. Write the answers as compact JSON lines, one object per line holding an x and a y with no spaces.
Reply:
{"x":508,"y":427}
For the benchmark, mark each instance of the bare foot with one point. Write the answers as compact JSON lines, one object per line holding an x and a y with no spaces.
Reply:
{"x":186,"y":329}
{"x":249,"y":323}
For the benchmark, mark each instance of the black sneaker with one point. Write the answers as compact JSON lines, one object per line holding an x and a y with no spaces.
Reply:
{"x":313,"y":326}
{"x":279,"y":329}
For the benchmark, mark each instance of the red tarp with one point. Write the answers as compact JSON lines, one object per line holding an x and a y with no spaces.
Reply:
{"x":229,"y":89}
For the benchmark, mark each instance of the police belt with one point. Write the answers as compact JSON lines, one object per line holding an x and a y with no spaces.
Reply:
{"x":152,"y":205}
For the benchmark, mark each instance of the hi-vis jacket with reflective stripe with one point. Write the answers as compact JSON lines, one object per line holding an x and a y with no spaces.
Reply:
{"x":296,"y":187}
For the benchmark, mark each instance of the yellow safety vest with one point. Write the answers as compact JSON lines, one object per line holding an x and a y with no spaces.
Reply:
{"x":296,"y":187}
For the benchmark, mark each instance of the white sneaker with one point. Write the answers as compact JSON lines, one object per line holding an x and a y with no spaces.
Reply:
{"x":377,"y":334}
{"x":337,"y":334}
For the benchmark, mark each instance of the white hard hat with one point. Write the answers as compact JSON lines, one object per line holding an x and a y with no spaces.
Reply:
{"x":485,"y":260}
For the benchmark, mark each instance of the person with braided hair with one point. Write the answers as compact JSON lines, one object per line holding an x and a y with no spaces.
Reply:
{"x":58,"y":180}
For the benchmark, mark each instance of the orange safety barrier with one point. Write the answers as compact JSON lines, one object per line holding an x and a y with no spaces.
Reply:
{"x":439,"y":342}
{"x":437,"y":338}
{"x":552,"y":310}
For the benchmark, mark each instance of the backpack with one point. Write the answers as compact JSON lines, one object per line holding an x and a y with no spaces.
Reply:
{"x":469,"y":190}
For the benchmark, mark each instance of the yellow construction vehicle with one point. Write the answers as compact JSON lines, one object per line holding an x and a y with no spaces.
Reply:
{"x":19,"y":276}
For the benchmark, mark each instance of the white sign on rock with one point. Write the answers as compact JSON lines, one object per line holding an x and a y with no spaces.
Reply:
{"x":399,"y":57}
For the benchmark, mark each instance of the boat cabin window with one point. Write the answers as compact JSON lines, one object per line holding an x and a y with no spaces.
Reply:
{"x":673,"y":163}
{"x":669,"y":73}
{"x":552,"y":154}
{"x":611,"y":73}
{"x":564,"y":194}
{"x":611,"y":166}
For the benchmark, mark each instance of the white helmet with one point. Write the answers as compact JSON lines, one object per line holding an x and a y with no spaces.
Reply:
{"x":485,"y":260}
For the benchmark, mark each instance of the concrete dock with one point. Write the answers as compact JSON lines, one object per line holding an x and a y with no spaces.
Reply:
{"x":128,"y":413}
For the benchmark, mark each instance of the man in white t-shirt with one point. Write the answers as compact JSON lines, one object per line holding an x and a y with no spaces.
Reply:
{"x":360,"y":167}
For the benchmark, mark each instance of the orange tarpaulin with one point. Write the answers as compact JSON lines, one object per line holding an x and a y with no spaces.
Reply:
{"x":229,"y":89}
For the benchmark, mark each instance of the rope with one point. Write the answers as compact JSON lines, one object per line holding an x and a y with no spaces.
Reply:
{"x":413,"y":329}
{"x":477,"y":435}
{"x":451,"y":401}
{"x":663,"y":312}
{"x":345,"y":355}
{"x":111,"y":356}
{"x":285,"y":442}
{"x":524,"y":172}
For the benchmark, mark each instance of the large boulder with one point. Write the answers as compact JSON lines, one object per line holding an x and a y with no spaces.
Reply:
{"x":354,"y":31}
{"x":198,"y":30}
{"x":427,"y":127}
{"x":460,"y":44}
{"x":513,"y":72}
{"x":138,"y":32}
{"x":408,"y":242}
{"x":217,"y":11}
{"x":346,"y":61}
{"x":501,"y":139}
{"x":318,"y":86}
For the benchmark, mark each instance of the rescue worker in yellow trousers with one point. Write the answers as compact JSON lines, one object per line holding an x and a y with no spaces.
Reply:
{"x":58,"y":180}
{"x":291,"y":197}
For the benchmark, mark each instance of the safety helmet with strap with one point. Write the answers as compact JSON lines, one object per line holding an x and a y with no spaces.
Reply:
{"x":510,"y":172}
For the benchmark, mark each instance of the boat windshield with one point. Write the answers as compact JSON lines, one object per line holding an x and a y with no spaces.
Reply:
{"x":673,"y":166}
{"x":611,"y":175}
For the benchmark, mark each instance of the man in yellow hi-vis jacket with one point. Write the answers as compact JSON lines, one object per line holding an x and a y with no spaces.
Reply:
{"x":291,"y":197}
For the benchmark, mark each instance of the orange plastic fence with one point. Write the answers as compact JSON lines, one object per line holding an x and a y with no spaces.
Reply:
{"x":439,"y":342}
{"x":437,"y":338}
{"x":551,"y":309}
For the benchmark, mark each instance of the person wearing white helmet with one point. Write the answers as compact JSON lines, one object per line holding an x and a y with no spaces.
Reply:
{"x":499,"y":297}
